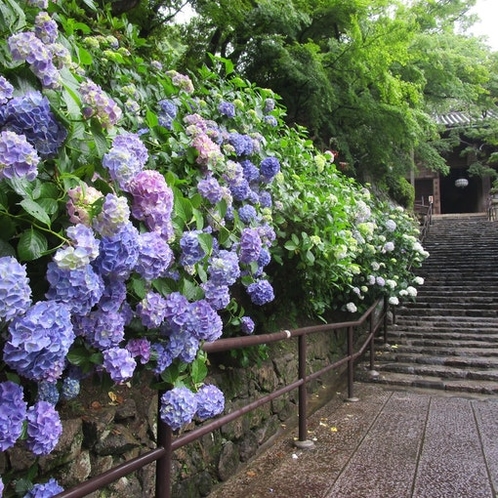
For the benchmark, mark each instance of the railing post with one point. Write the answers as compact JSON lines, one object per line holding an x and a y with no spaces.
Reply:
{"x":351,"y":396}
{"x":385,"y":309}
{"x":303,"y":441}
{"x":372,"y":341}
{"x":163,"y":464}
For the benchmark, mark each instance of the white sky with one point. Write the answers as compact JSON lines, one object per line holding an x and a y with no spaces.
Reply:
{"x":487,"y":10}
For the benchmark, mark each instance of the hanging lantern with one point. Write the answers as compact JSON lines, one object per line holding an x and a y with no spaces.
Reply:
{"x":461,"y":182}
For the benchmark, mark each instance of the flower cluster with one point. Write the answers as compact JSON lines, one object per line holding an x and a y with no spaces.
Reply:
{"x":99,"y":105}
{"x":15,"y":292}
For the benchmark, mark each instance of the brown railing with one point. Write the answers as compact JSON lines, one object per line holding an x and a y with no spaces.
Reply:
{"x":375,"y":317}
{"x":424,"y":213}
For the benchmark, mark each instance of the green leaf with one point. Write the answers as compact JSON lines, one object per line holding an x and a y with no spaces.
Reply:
{"x":191,"y":291}
{"x":84,"y":56}
{"x":78,"y":356}
{"x":290,"y":245}
{"x":138,"y":286}
{"x":198,"y":370}
{"x":21,"y":186}
{"x":151,"y":119}
{"x":32,"y":245}
{"x":49,"y":205}
{"x":206,"y":242}
{"x":6,"y":249}
{"x":182,"y":209}
{"x":99,"y":138}
{"x":35,"y":210}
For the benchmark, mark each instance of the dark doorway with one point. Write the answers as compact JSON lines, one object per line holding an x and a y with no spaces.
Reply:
{"x":457,"y":199}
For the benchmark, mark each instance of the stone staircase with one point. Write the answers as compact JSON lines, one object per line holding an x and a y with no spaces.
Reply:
{"x":448,"y":338}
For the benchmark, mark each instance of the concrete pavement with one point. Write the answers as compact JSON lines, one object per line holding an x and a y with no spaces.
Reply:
{"x":388,"y":444}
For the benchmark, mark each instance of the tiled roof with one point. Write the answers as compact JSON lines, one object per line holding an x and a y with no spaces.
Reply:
{"x":458,"y":118}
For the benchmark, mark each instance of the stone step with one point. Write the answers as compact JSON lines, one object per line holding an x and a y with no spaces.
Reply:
{"x":441,"y":348}
{"x":429,"y":382}
{"x":438,"y":370}
{"x":457,"y":311}
{"x":444,"y":321}
{"x":442,"y":335}
{"x":455,"y":360}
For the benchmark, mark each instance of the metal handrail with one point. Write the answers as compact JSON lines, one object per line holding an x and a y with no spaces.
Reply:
{"x":167,"y":443}
{"x":427,"y":222}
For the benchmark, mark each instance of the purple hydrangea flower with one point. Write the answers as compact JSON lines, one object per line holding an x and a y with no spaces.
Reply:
{"x":30,"y":115}
{"x":70,"y":388}
{"x":247,"y":325}
{"x":12,"y":413}
{"x":18,"y":158}
{"x":261,"y":292}
{"x":203,"y":322}
{"x":247,"y":213}
{"x":44,"y":428}
{"x":46,"y":28}
{"x":41,"y":4}
{"x":99,"y":105}
{"x":250,"y":245}
{"x":192,"y":252}
{"x":209,"y":151}
{"x":1,"y":487}
{"x":15,"y":292}
{"x":267,"y":234}
{"x":119,"y":363}
{"x":264,"y":258}
{"x":6,"y":91}
{"x":82,"y":203}
{"x":182,"y":81}
{"x":224,"y":268}
{"x":265,"y":199}
{"x":269,"y":105}
{"x":155,"y":256}
{"x":48,"y":391}
{"x":240,"y":190}
{"x":114,"y":214}
{"x":119,"y":253}
{"x":79,"y":289}
{"x":242,"y":144}
{"x":210,"y":189}
{"x":167,"y":114}
{"x":217,"y":296}
{"x":152,"y":310}
{"x":176,"y":310}
{"x":227,"y":109}
{"x":183,"y":345}
{"x":39,"y":341}
{"x":152,"y":202}
{"x":210,"y":402}
{"x":140,"y":348}
{"x":269,"y":167}
{"x":178,"y":407}
{"x":47,"y":490}
{"x":270,"y":120}
{"x":102,"y":329}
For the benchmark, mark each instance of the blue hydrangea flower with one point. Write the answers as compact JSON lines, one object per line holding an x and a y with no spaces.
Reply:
{"x":152,"y":310}
{"x":113,"y":296}
{"x":261,"y":292}
{"x":269,"y":167}
{"x":79,"y":289}
{"x":119,"y":363}
{"x":30,"y":115}
{"x":247,"y":213}
{"x":176,"y":310}
{"x":98,"y":105}
{"x":203,"y":322}
{"x":264,"y":258}
{"x":45,"y":28}
{"x":133,"y":144}
{"x":269,"y":105}
{"x":44,"y":428}
{"x":41,"y":4}
{"x":217,"y":296}
{"x":140,"y":348}
{"x":162,"y":356}
{"x":247,"y":325}
{"x":224,"y":268}
{"x":210,"y":189}
{"x":18,"y":158}
{"x":119,"y":253}
{"x":178,"y":407}
{"x":242,"y":144}
{"x":6,"y":90}
{"x":102,"y":329}
{"x":190,"y":246}
{"x":15,"y":292}
{"x":251,"y":171}
{"x":85,"y":248}
{"x":210,"y":402}
{"x":227,"y":109}
{"x":12,"y":413}
{"x":183,"y":345}
{"x":155,"y":256}
{"x":167,"y":114}
{"x":265,"y":199}
{"x":250,"y":245}
{"x":39,"y":341}
{"x":47,"y":490}
{"x":122,"y":165}
{"x":70,"y":388}
{"x":270,"y":120}
{"x":240,"y":190}
{"x":48,"y":391}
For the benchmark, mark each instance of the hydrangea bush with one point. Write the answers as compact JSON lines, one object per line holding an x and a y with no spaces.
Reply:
{"x":143,"y":213}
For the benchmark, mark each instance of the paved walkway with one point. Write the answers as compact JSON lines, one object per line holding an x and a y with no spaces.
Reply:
{"x":389,"y":444}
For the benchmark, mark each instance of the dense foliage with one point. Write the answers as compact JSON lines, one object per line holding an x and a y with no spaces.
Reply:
{"x":144,"y":212}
